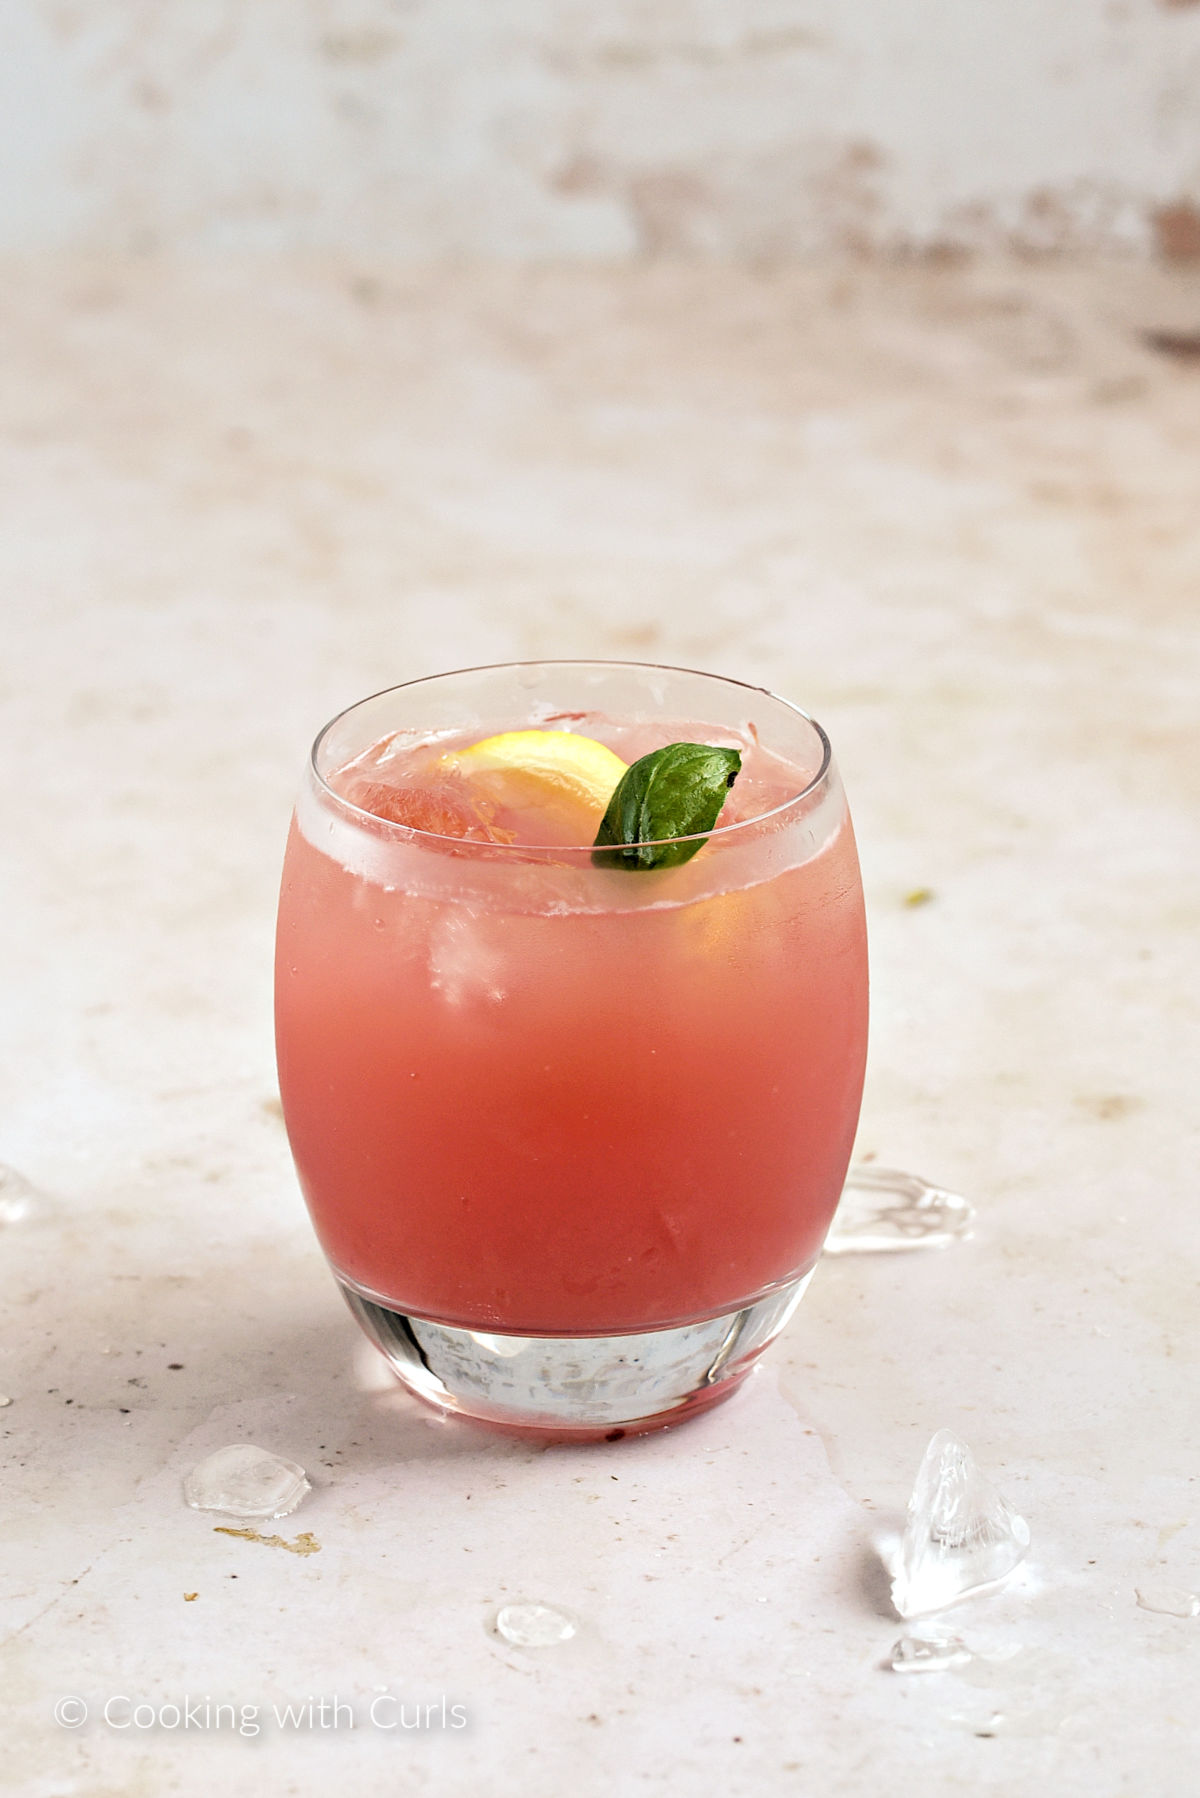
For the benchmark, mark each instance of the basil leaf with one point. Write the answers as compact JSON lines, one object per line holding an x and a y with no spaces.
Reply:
{"x":673,"y":792}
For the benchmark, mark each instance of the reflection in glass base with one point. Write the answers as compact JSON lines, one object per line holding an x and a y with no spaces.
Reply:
{"x":585,"y":1386}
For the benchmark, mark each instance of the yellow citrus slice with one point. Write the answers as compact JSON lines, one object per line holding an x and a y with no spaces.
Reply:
{"x":550,"y":782}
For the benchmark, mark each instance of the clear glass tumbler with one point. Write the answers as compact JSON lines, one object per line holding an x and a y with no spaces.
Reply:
{"x":571,"y":1134}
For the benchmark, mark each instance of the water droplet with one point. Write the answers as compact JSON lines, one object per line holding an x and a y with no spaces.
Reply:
{"x":533,"y":1625}
{"x":883,"y":1211}
{"x":1169,"y":1601}
{"x":244,"y":1481}
{"x":961,"y":1536}
{"x":928,"y":1651}
{"x":5,"y":1401}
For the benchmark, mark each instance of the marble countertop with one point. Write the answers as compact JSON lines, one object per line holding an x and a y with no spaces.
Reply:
{"x":952,"y":511}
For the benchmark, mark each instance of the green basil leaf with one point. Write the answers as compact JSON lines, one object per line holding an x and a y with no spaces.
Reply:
{"x":673,"y":792}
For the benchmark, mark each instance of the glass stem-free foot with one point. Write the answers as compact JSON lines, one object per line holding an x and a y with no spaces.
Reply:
{"x":583,"y":1386}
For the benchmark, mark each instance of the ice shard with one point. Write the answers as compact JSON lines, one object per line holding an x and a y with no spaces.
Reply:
{"x":961,"y":1536}
{"x":245,"y":1481}
{"x":533,"y":1625}
{"x":883,"y":1211}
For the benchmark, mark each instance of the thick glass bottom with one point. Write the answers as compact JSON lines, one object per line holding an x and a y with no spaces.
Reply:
{"x":586,"y":1387}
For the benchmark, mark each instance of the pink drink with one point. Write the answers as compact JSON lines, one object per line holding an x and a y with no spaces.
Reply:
{"x":526,"y":1094}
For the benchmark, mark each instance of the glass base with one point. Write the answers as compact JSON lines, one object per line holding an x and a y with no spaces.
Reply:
{"x":586,"y":1387}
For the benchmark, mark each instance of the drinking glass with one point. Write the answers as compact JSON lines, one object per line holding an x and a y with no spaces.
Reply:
{"x":571,"y":1134}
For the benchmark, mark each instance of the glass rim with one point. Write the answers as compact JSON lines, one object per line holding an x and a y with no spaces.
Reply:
{"x":468,"y":846}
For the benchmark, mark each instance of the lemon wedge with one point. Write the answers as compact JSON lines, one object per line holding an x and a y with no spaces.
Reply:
{"x":553,"y":780}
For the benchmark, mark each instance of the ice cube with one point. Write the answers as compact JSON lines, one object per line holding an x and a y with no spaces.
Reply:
{"x":533,"y":1625}
{"x":961,"y":1535}
{"x":883,"y":1211}
{"x":928,"y":1651}
{"x":438,"y":806}
{"x":465,"y":962}
{"x":1170,"y":1601}
{"x":20,"y":1200}
{"x":245,"y":1481}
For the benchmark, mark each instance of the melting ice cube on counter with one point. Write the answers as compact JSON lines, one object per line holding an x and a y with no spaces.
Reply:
{"x":20,"y":1200}
{"x":533,"y":1625}
{"x":245,"y":1481}
{"x":928,"y":1651}
{"x":1168,"y":1601}
{"x":883,"y":1211}
{"x":961,"y":1535}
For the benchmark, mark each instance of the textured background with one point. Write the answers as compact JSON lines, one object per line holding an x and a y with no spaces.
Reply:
{"x":953,"y":510}
{"x":554,"y":128}
{"x":947,"y":501}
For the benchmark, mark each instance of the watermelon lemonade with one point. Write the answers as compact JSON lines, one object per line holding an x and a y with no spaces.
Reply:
{"x":571,"y":1126}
